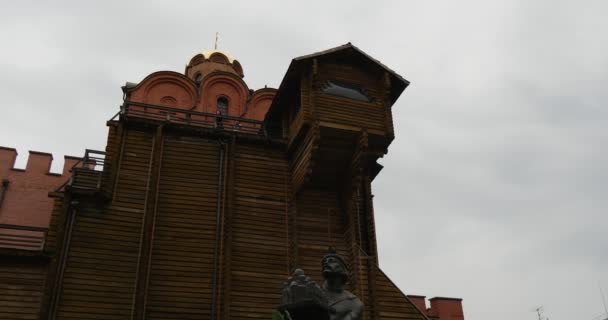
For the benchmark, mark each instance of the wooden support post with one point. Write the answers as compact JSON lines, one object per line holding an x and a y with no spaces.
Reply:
{"x":312,"y":79}
{"x":113,"y":154}
{"x":227,"y":233}
{"x":372,"y":266}
{"x":55,"y":275}
{"x":221,"y":259}
{"x":386,"y":101}
{"x":290,"y":226}
{"x":138,"y":310}
{"x":293,"y":233}
{"x":353,"y":213}
{"x":353,"y":233}
{"x":50,"y":283}
{"x":120,"y":146}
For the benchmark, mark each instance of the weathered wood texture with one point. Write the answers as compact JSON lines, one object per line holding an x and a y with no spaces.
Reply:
{"x":100,"y":273}
{"x":56,"y":225}
{"x":204,"y":224}
{"x":85,"y":179}
{"x":192,"y":220}
{"x":21,"y":287}
{"x":182,"y":262}
{"x":223,"y":229}
{"x":113,"y":149}
{"x":335,"y":109}
{"x":392,"y":302}
{"x":303,"y":158}
{"x":319,"y":225}
{"x":259,"y":232}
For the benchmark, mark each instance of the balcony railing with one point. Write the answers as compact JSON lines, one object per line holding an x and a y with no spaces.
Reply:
{"x":22,"y":237}
{"x":87,"y":172}
{"x":191,"y":118}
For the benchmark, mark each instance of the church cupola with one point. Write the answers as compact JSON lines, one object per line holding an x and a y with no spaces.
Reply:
{"x":212,"y":83}
{"x":210,"y":61}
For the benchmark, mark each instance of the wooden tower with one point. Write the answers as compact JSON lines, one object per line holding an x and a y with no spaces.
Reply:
{"x":209,"y":194}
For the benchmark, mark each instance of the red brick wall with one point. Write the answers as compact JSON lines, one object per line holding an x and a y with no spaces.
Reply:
{"x":26,"y":201}
{"x":441,"y":308}
{"x":174,"y":90}
{"x":446,"y":308}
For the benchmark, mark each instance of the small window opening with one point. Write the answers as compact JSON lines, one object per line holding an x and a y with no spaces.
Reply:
{"x":222,"y":106}
{"x":198,"y":78}
{"x":3,"y":189}
{"x":346,"y":91}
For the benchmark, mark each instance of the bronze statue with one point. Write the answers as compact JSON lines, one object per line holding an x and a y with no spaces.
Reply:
{"x":303,"y":299}
{"x":300,"y":288}
{"x":342,"y":303}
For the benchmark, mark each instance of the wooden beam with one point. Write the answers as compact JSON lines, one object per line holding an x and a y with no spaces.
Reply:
{"x":65,"y":240}
{"x":227,"y":231}
{"x":138,"y":310}
{"x":350,"y":128}
{"x":386,"y":101}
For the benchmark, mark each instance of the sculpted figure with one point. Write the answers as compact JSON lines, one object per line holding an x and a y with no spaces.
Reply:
{"x":343,"y":305}
{"x":303,"y":299}
{"x":300,"y":288}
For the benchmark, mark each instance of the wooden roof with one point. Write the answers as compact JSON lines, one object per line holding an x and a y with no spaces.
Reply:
{"x":398,"y":83}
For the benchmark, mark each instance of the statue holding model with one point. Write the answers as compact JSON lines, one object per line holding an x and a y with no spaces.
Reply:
{"x":303,"y":299}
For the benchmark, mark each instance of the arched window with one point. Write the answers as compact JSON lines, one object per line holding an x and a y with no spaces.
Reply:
{"x":222,"y":105}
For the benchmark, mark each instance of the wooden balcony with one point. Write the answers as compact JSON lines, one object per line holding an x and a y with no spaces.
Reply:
{"x":87,"y":174}
{"x":138,"y":111}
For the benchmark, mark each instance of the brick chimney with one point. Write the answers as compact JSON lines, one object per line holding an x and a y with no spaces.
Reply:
{"x":443,"y":308}
{"x":419,"y":302}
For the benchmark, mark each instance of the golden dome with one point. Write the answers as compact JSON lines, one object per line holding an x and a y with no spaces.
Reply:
{"x":210,"y":61}
{"x":207,"y":54}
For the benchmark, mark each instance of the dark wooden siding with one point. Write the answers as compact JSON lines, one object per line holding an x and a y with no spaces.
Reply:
{"x":259,"y":233}
{"x":21,"y":287}
{"x":392,"y":302}
{"x":302,"y":159}
{"x":113,"y":148}
{"x":55,"y":226}
{"x":265,"y":228}
{"x":100,"y":273}
{"x":340,"y":110}
{"x":320,"y":224}
{"x":181,"y":274}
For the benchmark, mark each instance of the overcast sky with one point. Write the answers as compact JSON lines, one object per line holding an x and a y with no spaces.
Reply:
{"x":495,"y":189}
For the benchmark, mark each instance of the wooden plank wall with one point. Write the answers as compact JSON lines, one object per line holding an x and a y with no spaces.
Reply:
{"x":55,"y":226}
{"x":320,"y":224}
{"x":392,"y":302}
{"x":21,"y":287}
{"x":100,"y":273}
{"x":302,"y":158}
{"x":113,"y":149}
{"x":265,"y":224}
{"x":181,"y":274}
{"x":259,"y":232}
{"x":335,"y":109}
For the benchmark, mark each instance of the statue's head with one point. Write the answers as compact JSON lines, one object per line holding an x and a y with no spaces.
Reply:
{"x":334,"y":269}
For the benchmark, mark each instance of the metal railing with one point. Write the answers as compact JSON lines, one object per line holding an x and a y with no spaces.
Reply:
{"x":191,"y":118}
{"x":86,"y":172}
{"x":93,"y":160}
{"x":89,"y":175}
{"x":22,"y":237}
